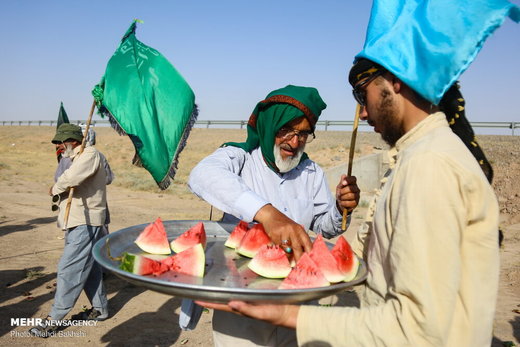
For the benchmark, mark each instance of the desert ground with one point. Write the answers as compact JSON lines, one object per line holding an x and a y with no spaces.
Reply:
{"x":31,"y":242}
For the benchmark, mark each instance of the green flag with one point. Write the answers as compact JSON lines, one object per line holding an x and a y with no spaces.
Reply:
{"x":145,"y":98}
{"x":62,"y":116}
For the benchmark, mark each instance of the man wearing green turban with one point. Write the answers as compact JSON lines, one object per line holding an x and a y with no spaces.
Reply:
{"x":269,"y":179}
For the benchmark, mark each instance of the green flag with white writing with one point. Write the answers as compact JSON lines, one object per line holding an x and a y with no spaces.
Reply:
{"x":144,"y":97}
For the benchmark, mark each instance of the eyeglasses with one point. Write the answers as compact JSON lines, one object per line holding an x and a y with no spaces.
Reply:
{"x":56,"y":199}
{"x":359,"y":93}
{"x":286,"y":134}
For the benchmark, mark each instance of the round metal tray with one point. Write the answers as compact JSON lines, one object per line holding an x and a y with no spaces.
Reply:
{"x":226,"y":277}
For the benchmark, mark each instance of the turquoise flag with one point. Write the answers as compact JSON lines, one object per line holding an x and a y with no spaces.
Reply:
{"x":429,"y":44}
{"x":62,"y":117}
{"x":145,"y":98}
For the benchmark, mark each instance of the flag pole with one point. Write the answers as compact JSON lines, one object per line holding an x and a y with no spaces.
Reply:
{"x":351,"y":158}
{"x":83,"y":143}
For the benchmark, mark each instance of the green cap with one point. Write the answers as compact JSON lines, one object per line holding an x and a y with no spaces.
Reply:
{"x":68,"y":131}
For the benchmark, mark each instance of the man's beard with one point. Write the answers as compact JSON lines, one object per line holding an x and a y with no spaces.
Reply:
{"x":68,"y":151}
{"x":289,"y":163}
{"x":391,"y":128}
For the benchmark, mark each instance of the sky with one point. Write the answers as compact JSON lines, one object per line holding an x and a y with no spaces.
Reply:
{"x":231,"y":52}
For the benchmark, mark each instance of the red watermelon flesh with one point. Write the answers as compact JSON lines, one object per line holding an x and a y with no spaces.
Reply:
{"x":252,"y":241}
{"x":327,"y":263}
{"x":191,"y":261}
{"x":271,"y":262}
{"x":153,"y":238}
{"x":237,"y":234}
{"x":348,"y":263}
{"x":141,"y":265}
{"x":305,"y":274}
{"x":192,"y":236}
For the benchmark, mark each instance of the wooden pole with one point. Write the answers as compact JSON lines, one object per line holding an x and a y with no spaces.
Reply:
{"x":351,"y":158}
{"x":83,"y":143}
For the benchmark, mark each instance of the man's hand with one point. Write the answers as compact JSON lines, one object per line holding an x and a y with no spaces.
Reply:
{"x":284,"y":231}
{"x":282,"y":315}
{"x":347,"y":193}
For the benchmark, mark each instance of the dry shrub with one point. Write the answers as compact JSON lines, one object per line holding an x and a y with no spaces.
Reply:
{"x":28,"y":155}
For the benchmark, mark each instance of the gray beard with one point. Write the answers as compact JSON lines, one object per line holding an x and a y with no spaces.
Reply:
{"x":289,"y":163}
{"x":68,"y":152}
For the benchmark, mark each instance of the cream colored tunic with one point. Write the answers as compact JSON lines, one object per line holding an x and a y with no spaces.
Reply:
{"x":88,"y":177}
{"x":431,"y":249}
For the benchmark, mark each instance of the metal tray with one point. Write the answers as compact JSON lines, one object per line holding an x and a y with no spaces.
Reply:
{"x":226,"y":275}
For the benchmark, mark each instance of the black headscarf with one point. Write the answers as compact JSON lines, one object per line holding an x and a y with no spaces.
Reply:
{"x":452,"y":104}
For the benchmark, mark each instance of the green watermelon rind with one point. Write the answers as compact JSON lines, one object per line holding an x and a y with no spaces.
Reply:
{"x":127,"y":262}
{"x":136,"y":263}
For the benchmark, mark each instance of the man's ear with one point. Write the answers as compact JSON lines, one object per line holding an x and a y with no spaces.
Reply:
{"x":396,"y":84}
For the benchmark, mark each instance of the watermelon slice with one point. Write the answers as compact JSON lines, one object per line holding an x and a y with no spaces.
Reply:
{"x":192,"y":236}
{"x":327,"y":263}
{"x":237,"y":234}
{"x":270,"y":262}
{"x":305,"y":274}
{"x":252,"y":241}
{"x":141,"y":265}
{"x":189,"y":262}
{"x":348,"y":263}
{"x":153,"y":238}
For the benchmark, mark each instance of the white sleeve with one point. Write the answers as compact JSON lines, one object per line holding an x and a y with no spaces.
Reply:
{"x":216,"y":179}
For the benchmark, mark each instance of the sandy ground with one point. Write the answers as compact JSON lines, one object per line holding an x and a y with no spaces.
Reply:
{"x":32,"y":244}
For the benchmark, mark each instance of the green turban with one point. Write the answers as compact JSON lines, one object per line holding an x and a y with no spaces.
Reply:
{"x":277,"y":109}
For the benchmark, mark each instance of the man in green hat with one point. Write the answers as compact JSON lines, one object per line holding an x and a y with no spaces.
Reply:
{"x":77,"y":270}
{"x":63,"y":132}
{"x":269,"y":179}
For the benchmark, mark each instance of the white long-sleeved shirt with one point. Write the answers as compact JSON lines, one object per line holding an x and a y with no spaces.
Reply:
{"x":240,"y":183}
{"x":431,"y":250}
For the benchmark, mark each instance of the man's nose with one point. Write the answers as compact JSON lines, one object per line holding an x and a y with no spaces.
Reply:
{"x":363,"y":115}
{"x":294,"y":142}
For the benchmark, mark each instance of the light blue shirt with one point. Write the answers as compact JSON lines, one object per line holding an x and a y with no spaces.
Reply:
{"x":240,"y":183}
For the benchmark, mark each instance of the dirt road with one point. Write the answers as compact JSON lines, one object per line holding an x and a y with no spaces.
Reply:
{"x":31,"y":244}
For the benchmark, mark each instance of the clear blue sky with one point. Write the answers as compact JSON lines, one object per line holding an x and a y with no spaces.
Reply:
{"x":231,"y":52}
